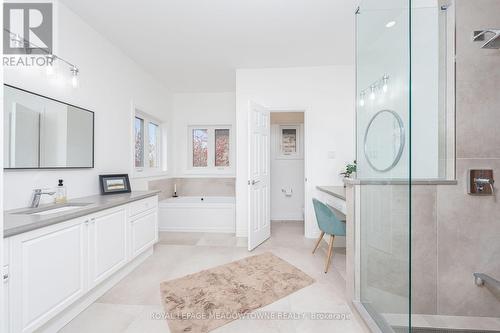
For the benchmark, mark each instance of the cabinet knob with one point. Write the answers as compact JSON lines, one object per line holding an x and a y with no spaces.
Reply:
{"x":5,"y":277}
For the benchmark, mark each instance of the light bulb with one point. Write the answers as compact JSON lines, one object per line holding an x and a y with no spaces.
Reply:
{"x":390,"y":24}
{"x":372,"y":93}
{"x":362,"y":99}
{"x":74,"y":78}
{"x":49,"y":68}
{"x":385,"y":87}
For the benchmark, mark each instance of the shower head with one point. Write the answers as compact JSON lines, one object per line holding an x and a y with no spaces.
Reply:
{"x":491,"y":36}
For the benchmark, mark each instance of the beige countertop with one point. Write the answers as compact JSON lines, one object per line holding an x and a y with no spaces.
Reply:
{"x":336,"y":191}
{"x":15,"y":222}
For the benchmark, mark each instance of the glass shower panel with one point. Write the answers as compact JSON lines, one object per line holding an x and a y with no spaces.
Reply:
{"x":383,"y":156}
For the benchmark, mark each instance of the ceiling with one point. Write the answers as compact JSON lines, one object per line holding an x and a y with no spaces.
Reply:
{"x":196,"y":45}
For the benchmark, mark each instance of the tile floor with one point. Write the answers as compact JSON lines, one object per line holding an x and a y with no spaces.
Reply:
{"x":130,"y":306}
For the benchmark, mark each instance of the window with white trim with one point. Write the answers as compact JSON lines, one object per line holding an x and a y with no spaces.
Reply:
{"x":210,"y":148}
{"x":149,"y":144}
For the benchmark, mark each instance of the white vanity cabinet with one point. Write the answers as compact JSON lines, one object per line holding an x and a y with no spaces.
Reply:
{"x":73,"y":263}
{"x":5,"y":280}
{"x":47,"y":273}
{"x":107,"y":243}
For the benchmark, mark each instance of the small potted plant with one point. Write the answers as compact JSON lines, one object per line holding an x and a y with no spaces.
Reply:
{"x":349,"y":170}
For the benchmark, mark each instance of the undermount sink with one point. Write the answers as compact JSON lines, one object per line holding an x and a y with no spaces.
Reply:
{"x":53,"y":209}
{"x":56,"y":210}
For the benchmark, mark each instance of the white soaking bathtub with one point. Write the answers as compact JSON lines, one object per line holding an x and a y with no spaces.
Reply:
{"x":197,"y":214}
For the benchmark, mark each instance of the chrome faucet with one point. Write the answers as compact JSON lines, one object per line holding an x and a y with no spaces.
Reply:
{"x":482,"y":182}
{"x":35,"y":197}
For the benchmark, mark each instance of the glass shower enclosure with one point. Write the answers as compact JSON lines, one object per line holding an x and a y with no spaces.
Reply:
{"x":383,"y":120}
{"x":421,"y":237}
{"x":426,"y":218}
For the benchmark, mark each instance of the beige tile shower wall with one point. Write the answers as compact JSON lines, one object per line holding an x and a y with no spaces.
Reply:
{"x":385,"y":244}
{"x":469,"y":227}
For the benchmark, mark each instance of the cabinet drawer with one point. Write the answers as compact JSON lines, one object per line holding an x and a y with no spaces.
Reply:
{"x":143,"y":205}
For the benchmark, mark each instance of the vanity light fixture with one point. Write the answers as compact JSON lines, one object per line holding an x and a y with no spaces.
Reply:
{"x":74,"y":76}
{"x":379,"y":85}
{"x":51,"y":59}
{"x":390,"y":24}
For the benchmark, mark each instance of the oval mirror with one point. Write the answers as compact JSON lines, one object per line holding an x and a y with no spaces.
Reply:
{"x":384,"y":140}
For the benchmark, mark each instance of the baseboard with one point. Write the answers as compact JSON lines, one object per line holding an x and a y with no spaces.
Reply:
{"x":242,"y":232}
{"x":287,"y":221}
{"x":214,"y":230}
{"x":63,"y":318}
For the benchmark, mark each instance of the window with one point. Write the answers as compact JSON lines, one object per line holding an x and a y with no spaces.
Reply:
{"x":153,"y":144}
{"x":149,"y":152}
{"x":210,"y":148}
{"x":139,"y":142}
{"x":288,"y":141}
{"x":222,"y":147}
{"x":200,"y":148}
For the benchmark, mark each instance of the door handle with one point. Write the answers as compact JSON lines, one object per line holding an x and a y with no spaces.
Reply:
{"x":255,"y":182}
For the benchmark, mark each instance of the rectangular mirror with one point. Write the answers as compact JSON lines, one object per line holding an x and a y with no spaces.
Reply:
{"x":43,"y":133}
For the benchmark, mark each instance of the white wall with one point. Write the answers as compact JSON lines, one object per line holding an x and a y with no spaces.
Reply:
{"x":200,"y":109}
{"x":326,"y":94}
{"x":287,"y":174}
{"x":109,"y":83}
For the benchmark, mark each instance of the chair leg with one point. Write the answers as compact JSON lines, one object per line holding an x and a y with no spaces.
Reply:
{"x":330,"y":252}
{"x":319,"y":241}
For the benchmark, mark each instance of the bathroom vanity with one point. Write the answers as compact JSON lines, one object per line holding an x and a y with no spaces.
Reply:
{"x":61,"y":258}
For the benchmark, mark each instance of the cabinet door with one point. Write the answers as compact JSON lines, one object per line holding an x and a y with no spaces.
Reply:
{"x":143,"y":232}
{"x":107,"y":244}
{"x":5,"y":278}
{"x":46,"y":273}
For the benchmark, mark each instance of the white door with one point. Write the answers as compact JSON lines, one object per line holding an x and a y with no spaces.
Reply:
{"x":107,"y":244}
{"x":259,"y":221}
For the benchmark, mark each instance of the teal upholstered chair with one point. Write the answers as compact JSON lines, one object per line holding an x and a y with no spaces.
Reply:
{"x":329,"y":224}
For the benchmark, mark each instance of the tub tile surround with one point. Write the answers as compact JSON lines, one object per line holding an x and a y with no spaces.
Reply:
{"x":223,"y":187}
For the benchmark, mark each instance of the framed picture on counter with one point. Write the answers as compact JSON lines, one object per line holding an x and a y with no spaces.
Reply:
{"x":111,"y":184}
